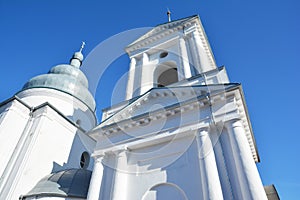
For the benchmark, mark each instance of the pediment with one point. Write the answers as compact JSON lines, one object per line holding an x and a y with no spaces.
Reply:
{"x":164,"y":29}
{"x":160,"y":99}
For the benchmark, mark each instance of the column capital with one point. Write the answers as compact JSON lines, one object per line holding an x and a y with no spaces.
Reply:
{"x":133,"y":61}
{"x":195,"y":32}
{"x":99,"y":158}
{"x":203,"y":131}
{"x":115,"y":153}
{"x":145,"y":58}
{"x":233,"y":123}
{"x":182,"y":36}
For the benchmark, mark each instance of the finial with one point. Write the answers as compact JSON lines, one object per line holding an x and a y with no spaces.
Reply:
{"x":77,"y":58}
{"x":82,"y":46}
{"x":169,"y":15}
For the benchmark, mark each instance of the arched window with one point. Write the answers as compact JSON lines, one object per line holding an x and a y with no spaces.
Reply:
{"x":166,"y":74}
{"x":165,"y":191}
{"x":167,"y":77}
{"x":84,"y":160}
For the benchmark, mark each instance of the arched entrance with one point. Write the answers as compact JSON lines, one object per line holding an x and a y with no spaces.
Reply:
{"x":165,"y":191}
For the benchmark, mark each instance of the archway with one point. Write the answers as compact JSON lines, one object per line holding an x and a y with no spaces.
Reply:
{"x":166,"y":74}
{"x":165,"y":191}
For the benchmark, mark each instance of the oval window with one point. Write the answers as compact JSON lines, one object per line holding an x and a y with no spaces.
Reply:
{"x":163,"y":54}
{"x":84,"y":160}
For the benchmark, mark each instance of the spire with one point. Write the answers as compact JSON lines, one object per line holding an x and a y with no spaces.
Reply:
{"x":169,"y":15}
{"x":77,"y":58}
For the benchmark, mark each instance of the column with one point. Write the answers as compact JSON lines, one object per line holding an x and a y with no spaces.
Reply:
{"x":205,"y":63}
{"x":130,"y":82}
{"x":147,"y":74}
{"x":232,"y":170}
{"x":184,"y":60}
{"x":221,"y":163}
{"x":96,"y":179}
{"x":195,"y":57}
{"x":120,"y":189}
{"x":249,"y":179}
{"x":211,"y":185}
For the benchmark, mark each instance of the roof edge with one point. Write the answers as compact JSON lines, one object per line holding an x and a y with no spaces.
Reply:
{"x":135,"y":42}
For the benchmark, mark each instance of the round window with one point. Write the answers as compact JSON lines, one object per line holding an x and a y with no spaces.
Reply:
{"x":78,"y":122}
{"x":84,"y":160}
{"x":163,"y":54}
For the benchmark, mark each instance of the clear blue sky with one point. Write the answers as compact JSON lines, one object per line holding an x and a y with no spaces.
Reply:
{"x":258,"y":42}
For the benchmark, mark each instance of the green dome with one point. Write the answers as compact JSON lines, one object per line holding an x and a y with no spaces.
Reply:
{"x":66,"y":183}
{"x":67,"y":78}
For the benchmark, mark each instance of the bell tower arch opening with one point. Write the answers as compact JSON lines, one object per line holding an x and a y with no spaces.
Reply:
{"x":165,"y":74}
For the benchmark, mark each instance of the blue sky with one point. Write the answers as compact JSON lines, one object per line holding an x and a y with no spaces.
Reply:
{"x":257,"y":41}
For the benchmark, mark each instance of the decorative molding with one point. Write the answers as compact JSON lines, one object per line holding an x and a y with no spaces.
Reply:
{"x":236,"y":110}
{"x":162,"y":31}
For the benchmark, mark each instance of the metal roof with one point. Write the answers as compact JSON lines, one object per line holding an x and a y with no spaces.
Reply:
{"x":66,"y":183}
{"x":66,"y":78}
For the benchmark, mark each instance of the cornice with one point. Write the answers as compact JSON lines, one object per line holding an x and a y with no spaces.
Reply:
{"x":124,"y":120}
{"x":41,"y":108}
{"x":163,"y":31}
{"x":203,"y":101}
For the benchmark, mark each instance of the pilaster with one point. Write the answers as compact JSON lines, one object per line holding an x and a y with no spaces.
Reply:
{"x":205,"y":63}
{"x":184,"y":60}
{"x":131,"y":76}
{"x":147,"y":74}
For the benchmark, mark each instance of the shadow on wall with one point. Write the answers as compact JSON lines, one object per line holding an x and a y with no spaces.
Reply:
{"x":82,"y":145}
{"x":79,"y":156}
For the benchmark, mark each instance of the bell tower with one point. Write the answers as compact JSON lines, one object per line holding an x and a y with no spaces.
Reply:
{"x":184,"y":131}
{"x":169,"y":53}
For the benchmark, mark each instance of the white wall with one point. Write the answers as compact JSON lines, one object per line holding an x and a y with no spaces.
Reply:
{"x":13,"y":120}
{"x":68,"y":105}
{"x":51,"y":143}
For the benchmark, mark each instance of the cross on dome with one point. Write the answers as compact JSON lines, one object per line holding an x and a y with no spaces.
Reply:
{"x":77,"y":58}
{"x":82,"y":46}
{"x":169,"y":15}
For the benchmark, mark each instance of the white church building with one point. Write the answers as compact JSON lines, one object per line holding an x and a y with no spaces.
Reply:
{"x":183,"y":131}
